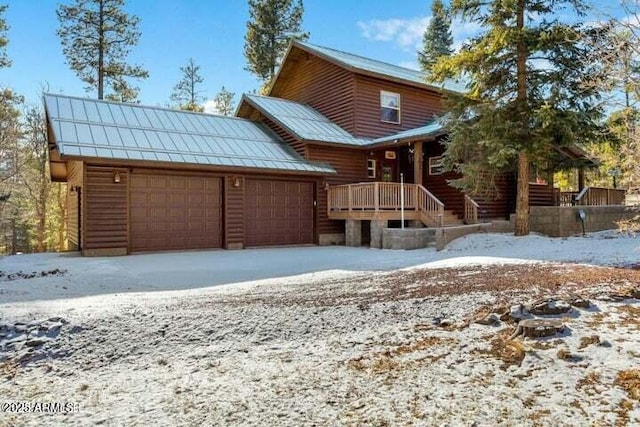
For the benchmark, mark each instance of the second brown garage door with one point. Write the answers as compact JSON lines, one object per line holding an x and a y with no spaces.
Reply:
{"x":171,"y":212}
{"x":278,"y":213}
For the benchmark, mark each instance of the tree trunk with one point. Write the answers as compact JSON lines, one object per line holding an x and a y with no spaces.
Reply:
{"x":522,"y":198}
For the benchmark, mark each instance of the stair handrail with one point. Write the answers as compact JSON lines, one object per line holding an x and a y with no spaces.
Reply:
{"x":431,"y":206}
{"x":470,"y":210}
{"x":581,"y":194}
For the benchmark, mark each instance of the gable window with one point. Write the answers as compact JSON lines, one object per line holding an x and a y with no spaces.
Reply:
{"x":371,"y":168}
{"x":435,"y":165}
{"x":389,"y":107}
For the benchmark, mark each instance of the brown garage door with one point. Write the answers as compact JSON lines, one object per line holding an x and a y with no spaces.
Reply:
{"x":171,"y":212}
{"x":278,"y":213}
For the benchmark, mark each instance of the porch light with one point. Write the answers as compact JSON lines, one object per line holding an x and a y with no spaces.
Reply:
{"x":116,"y":177}
{"x":236,"y":182}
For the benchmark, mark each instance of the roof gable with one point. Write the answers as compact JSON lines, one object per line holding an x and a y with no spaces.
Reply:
{"x":362,"y":65}
{"x":101,"y":129}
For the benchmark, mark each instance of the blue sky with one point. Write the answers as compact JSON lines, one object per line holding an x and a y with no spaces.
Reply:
{"x":212,"y":33}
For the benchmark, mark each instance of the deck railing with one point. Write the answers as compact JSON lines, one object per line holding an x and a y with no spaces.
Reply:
{"x":597,"y":196}
{"x":385,"y":197}
{"x":470,"y":210}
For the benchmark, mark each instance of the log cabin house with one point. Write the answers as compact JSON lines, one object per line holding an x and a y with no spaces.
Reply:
{"x":328,"y":145}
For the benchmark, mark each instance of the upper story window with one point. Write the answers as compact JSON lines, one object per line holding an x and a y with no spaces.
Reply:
{"x":389,"y":107}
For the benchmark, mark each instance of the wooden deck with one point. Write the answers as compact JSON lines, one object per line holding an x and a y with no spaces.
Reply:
{"x":392,"y":201}
{"x":593,"y":196}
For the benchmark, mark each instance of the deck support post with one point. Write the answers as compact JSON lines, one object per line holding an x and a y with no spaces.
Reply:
{"x":377,"y":228}
{"x":353,"y":233}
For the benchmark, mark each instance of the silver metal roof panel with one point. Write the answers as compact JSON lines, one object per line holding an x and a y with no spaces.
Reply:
{"x":302,"y":121}
{"x":93,"y":128}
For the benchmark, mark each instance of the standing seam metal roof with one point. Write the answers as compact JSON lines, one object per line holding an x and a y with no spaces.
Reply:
{"x":432,"y":129}
{"x":302,"y":121}
{"x":94,"y":128}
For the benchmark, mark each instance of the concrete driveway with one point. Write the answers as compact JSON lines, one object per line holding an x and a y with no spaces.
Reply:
{"x":184,"y":270}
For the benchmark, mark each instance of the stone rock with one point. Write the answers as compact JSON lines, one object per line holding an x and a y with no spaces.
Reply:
{"x":578,"y":301}
{"x":537,"y":328}
{"x":20,"y":328}
{"x":493,"y":319}
{"x":515,"y":314}
{"x":549,"y":306}
{"x":36,"y":342}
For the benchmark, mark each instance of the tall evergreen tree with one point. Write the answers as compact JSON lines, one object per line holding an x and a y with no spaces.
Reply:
{"x":271,"y":27}
{"x":97,"y":36}
{"x":223,"y":102}
{"x":186,"y":94}
{"x":526,"y":92}
{"x":437,"y":40}
{"x":4,"y":59}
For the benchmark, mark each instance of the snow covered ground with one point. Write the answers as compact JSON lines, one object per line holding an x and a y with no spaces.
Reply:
{"x":326,"y":336}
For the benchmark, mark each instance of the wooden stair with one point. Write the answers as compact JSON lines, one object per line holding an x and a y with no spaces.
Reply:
{"x":450,"y":219}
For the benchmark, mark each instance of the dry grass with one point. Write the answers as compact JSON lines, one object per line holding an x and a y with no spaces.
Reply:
{"x":589,"y":383}
{"x":623,"y":410}
{"x":391,"y":360}
{"x":502,"y":347}
{"x":9,"y":369}
{"x":587,"y":341}
{"x":629,"y":380}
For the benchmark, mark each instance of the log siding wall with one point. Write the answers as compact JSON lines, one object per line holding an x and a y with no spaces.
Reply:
{"x":106,"y":209}
{"x":417,"y":107}
{"x":234,"y":230}
{"x":299,"y":146}
{"x":320,"y":84}
{"x":351,"y":166}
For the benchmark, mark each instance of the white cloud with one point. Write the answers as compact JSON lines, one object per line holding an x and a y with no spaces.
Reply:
{"x":407,"y":33}
{"x":210,"y":107}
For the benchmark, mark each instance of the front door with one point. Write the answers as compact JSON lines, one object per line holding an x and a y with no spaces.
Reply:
{"x":389,"y":166}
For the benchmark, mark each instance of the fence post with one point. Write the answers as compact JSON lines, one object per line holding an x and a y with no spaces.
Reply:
{"x":349,"y":197}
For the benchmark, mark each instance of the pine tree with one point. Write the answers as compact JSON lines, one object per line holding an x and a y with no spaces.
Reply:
{"x":223,"y":102}
{"x":270,"y":29}
{"x":526,"y":93}
{"x":34,"y":175}
{"x":4,"y":59}
{"x":97,"y":36}
{"x":437,"y":40}
{"x":185,"y":93}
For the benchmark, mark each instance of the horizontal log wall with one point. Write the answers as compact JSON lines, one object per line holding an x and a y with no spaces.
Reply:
{"x":540,"y":195}
{"x":351,"y":166}
{"x":292,"y":141}
{"x":234,"y":212}
{"x":417,"y":107}
{"x":500,"y":205}
{"x":106,"y":209}
{"x":320,"y":84}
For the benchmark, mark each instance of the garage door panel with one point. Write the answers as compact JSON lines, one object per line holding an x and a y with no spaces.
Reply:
{"x":175,"y":212}
{"x":278,"y":212}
